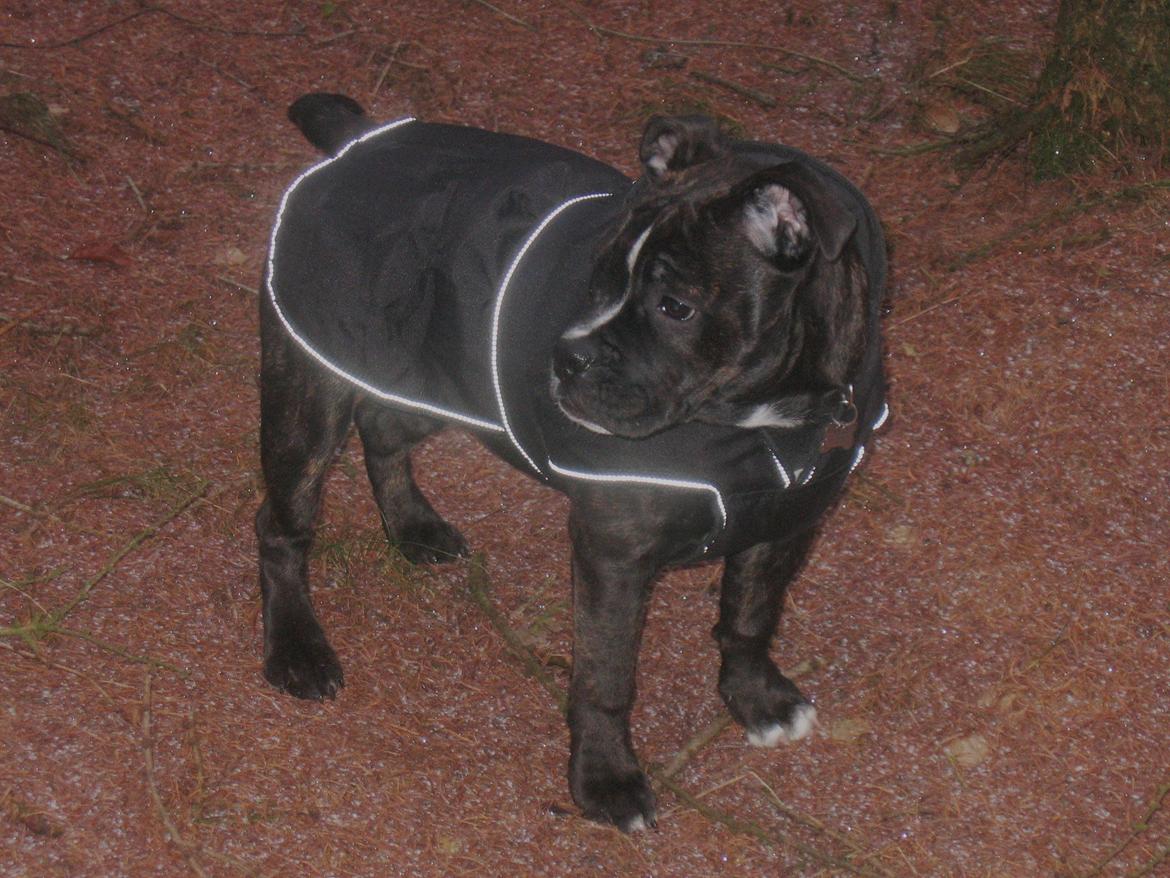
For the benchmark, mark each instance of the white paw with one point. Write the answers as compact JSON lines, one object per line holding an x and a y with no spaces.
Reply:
{"x":804,"y":718}
{"x":638,"y":824}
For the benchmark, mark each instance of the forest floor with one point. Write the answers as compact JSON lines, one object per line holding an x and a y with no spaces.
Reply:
{"x":983,"y":626}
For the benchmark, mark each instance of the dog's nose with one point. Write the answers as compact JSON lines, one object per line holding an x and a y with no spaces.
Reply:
{"x":573,"y":357}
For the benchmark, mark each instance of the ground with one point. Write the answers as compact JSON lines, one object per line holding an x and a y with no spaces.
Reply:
{"x":983,"y":626}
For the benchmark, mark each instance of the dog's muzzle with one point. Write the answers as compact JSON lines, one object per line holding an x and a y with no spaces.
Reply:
{"x":573,"y":357}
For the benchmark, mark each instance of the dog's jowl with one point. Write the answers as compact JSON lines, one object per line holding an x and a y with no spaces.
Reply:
{"x":693,"y":358}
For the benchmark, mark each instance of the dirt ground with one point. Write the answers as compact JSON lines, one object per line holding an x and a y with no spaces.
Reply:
{"x":984,"y":625}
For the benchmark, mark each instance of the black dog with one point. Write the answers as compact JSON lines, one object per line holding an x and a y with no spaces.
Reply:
{"x":694,"y":359}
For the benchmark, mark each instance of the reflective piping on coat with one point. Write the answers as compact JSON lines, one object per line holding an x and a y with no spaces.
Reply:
{"x":394,"y":398}
{"x":780,"y":470}
{"x":653,"y":481}
{"x":503,"y":291}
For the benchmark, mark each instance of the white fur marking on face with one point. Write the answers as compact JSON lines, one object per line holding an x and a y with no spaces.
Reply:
{"x":804,"y":719}
{"x":632,"y":256}
{"x":500,"y":294}
{"x":595,"y":321}
{"x":598,"y":320}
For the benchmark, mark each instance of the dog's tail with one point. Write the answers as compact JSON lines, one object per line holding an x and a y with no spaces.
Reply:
{"x":329,"y":121}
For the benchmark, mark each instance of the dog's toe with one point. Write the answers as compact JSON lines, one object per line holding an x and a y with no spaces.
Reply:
{"x":801,"y":721}
{"x":626,"y":801}
{"x":306,"y":669}
{"x":431,"y":542}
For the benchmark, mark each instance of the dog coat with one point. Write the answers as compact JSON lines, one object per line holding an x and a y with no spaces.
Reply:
{"x":434,"y":267}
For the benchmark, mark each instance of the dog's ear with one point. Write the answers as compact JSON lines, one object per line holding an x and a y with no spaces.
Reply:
{"x":787,"y":208}
{"x":671,"y":143}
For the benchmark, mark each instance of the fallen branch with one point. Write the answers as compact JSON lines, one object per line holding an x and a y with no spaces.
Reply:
{"x":1137,"y":829}
{"x":478,"y":586}
{"x":727,"y":44}
{"x":754,"y":830}
{"x":744,"y":91}
{"x":172,"y":832}
{"x":48,"y":623}
{"x":698,"y":741}
{"x":507,"y":15}
{"x":153,"y":10}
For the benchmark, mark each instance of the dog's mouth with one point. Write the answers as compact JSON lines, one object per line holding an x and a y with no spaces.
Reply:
{"x":581,"y":405}
{"x":568,"y":410}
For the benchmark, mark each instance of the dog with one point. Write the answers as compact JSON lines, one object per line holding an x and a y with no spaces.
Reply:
{"x":694,"y":358}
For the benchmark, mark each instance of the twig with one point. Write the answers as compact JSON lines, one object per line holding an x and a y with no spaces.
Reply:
{"x":23,"y":322}
{"x":697,"y":742}
{"x":754,"y":830}
{"x":1062,"y":213}
{"x":507,"y":15}
{"x":237,"y":285}
{"x":985,"y":249}
{"x":1137,"y":829}
{"x":1148,"y":869}
{"x":137,"y":193}
{"x":729,"y":44}
{"x":478,"y":586}
{"x":808,"y":820}
{"x":385,"y":69}
{"x":50,"y":623}
{"x":16,"y":504}
{"x":150,"y":10}
{"x":236,"y":79}
{"x":137,"y":540}
{"x":122,"y":651}
{"x":14,"y":322}
{"x":754,"y":94}
{"x":152,"y":786}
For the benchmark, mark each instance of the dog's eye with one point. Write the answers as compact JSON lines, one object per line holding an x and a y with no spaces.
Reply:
{"x":674,"y":309}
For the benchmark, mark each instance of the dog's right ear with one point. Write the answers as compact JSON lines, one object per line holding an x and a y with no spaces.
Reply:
{"x":672,"y":143}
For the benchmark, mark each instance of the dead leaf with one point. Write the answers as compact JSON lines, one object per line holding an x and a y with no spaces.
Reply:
{"x":943,"y":118}
{"x":845,"y":731}
{"x":969,"y":751}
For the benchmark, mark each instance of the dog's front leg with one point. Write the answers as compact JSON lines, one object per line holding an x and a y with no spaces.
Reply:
{"x":612,"y":575}
{"x":761,"y":699}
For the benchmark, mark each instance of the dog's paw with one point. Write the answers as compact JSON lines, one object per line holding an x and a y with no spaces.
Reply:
{"x":801,"y":721}
{"x":306,"y":667}
{"x":431,"y":542}
{"x":624,"y":800}
{"x":767,"y":704}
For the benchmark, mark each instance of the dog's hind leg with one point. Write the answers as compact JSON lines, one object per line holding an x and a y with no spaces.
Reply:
{"x":761,"y":699}
{"x":411,"y":525}
{"x":305,"y":417}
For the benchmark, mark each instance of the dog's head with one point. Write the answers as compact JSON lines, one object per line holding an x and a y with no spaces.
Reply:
{"x":728,"y":294}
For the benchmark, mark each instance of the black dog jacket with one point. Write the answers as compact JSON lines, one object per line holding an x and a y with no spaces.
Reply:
{"x":435,"y":266}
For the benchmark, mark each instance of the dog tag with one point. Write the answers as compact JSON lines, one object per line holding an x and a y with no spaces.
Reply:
{"x":842,"y":429}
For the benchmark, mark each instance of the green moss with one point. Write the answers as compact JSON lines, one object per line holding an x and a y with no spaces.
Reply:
{"x":1104,"y":93}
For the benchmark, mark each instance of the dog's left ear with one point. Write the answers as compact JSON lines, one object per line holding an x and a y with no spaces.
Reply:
{"x":787,"y":208}
{"x":672,"y":143}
